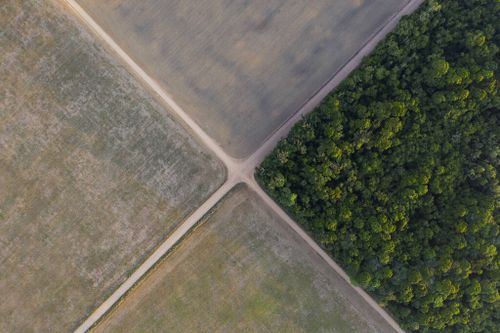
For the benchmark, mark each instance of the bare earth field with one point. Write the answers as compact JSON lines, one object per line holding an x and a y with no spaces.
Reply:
{"x":243,"y":270}
{"x":241,"y":68}
{"x":93,"y":173}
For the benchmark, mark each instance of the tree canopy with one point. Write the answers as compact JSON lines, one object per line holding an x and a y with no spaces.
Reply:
{"x":395,"y":173}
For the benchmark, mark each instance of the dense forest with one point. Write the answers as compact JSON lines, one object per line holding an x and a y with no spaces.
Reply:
{"x":395,"y":173}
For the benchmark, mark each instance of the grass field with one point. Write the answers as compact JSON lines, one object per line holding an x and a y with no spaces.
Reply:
{"x":243,"y":270}
{"x":241,"y":68}
{"x":93,"y":173}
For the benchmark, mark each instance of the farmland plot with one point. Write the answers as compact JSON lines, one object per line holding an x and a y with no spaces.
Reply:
{"x":241,"y":68}
{"x":243,"y":270}
{"x":93,"y":173}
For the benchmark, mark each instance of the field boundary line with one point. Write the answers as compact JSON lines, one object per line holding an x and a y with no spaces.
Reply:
{"x":238,"y":170}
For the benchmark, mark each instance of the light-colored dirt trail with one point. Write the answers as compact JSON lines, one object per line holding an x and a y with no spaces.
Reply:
{"x":237,"y":170}
{"x":150,"y":83}
{"x":168,"y":244}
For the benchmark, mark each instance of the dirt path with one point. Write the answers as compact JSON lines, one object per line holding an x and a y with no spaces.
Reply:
{"x":237,"y":170}
{"x":150,"y":83}
{"x":168,"y":244}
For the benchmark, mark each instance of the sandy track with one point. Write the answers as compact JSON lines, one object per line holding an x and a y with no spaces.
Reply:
{"x":237,"y":170}
{"x":156,"y":255}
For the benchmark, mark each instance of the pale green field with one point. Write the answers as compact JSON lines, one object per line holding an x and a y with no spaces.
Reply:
{"x":93,"y":173}
{"x":241,"y":68}
{"x":243,"y":270}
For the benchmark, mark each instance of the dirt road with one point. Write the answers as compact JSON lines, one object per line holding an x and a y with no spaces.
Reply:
{"x":237,"y":170}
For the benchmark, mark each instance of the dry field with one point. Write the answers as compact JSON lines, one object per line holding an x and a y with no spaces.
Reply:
{"x":241,"y":68}
{"x":243,"y":270}
{"x":93,"y":173}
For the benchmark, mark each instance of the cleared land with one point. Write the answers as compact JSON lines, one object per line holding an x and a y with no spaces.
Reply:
{"x":243,"y":270}
{"x":93,"y":173}
{"x":241,"y":68}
